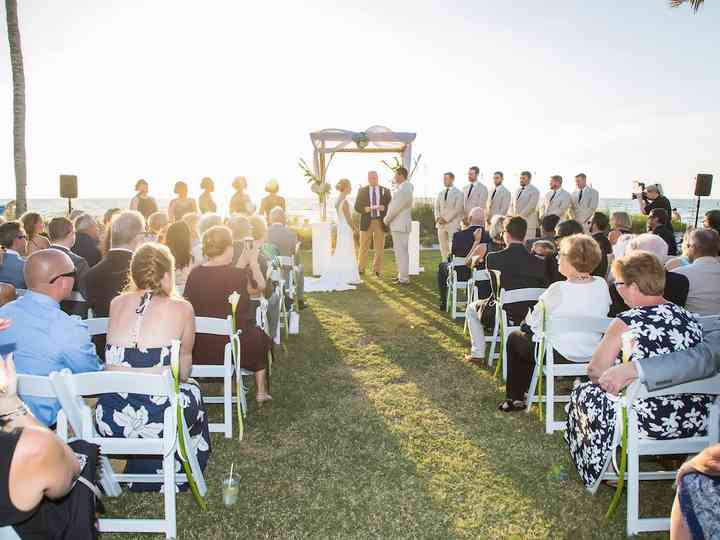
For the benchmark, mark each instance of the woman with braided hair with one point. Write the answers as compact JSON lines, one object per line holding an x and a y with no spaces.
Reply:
{"x":144,"y":320}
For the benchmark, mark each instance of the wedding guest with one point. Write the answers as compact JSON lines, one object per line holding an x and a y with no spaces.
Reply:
{"x":518,"y":270}
{"x":240,"y":202}
{"x":653,"y":198}
{"x":598,"y":226}
{"x":497,"y":233}
{"x":178,"y":241}
{"x":13,"y":241}
{"x":684,"y":258}
{"x":207,"y":221}
{"x":564,"y":229}
{"x":62,"y":238}
{"x":105,"y":237}
{"x":182,"y":204}
{"x":703,"y":273}
{"x":548,"y":223}
{"x":34,"y":227}
{"x":9,"y":212}
{"x":399,"y":220}
{"x":144,"y":320}
{"x":205,"y":201}
{"x":556,"y":201}
{"x":142,"y":202}
{"x":87,"y":239}
{"x":371,"y":203}
{"x":75,"y":214}
{"x":157,"y":224}
{"x":462,"y":245}
{"x":286,"y":240}
{"x":241,"y":231}
{"x":620,"y":223}
{"x":208,"y":288}
{"x":659,"y":223}
{"x":675,"y":216}
{"x":711,"y":220}
{"x":580,"y":295}
{"x":8,"y":293}
{"x":272,"y":199}
{"x":475,"y":194}
{"x":584,"y":201}
{"x":543,"y":249}
{"x":499,"y":201}
{"x":192,"y":221}
{"x":694,"y":513}
{"x":655,"y":322}
{"x":46,"y":338}
{"x":449,"y":213}
{"x":267,"y":258}
{"x":524,"y":203}
{"x":109,"y":277}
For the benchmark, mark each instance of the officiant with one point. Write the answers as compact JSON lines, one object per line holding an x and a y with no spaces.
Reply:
{"x":372,"y":203}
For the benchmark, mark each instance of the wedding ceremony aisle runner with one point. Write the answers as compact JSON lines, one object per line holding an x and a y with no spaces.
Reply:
{"x":378,"y":429}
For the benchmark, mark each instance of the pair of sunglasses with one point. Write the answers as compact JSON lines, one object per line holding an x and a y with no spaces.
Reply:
{"x":72,"y":274}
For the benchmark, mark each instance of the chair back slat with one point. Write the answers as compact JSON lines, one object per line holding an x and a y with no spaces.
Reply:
{"x":558,"y":325}
{"x":97,"y":326}
{"x":481,"y":275}
{"x":286,"y":261}
{"x":35,"y":386}
{"x":520,"y":295}
{"x":213,"y":326}
{"x":119,"y":382}
{"x":457,"y":261}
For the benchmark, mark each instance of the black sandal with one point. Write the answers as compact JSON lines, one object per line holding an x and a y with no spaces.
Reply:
{"x":511,"y":406}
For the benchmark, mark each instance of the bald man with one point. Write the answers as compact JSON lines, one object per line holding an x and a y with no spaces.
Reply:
{"x":45,"y":338}
{"x":8,"y":293}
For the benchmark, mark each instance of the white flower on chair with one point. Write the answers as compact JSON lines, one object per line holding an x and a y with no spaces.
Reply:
{"x":135,"y":423}
{"x":159,"y":400}
{"x":102,"y":427}
{"x":199,"y":443}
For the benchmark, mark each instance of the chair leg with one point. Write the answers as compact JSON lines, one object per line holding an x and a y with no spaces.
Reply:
{"x":549,"y":398}
{"x":227,"y":404}
{"x":633,"y":478}
{"x":169,"y":495}
{"x":532,"y":389}
{"x":491,"y":356}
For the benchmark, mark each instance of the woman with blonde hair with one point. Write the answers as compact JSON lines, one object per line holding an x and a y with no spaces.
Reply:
{"x":144,"y":320}
{"x":272,"y":200}
{"x":620,"y":223}
{"x":182,"y":204}
{"x":34,"y":227}
{"x":205,"y":201}
{"x":240,"y":202}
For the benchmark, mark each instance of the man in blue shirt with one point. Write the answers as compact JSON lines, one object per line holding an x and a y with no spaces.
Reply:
{"x":45,"y":338}
{"x":14,"y":241}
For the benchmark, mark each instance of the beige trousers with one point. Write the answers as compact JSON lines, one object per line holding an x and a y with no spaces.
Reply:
{"x":376,"y":233}
{"x":402,"y":254}
{"x":445,"y":235}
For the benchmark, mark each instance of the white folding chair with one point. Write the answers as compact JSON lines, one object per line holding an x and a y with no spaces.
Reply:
{"x":555,"y":326}
{"x":477,"y":277}
{"x":97,"y":326}
{"x":71,"y":389}
{"x":217,"y":370}
{"x":454,"y":306}
{"x":639,"y":446}
{"x":38,"y":386}
{"x":506,"y":298}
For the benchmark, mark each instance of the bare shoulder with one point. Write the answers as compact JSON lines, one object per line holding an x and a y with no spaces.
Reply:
{"x":179,"y":304}
{"x":37,"y":445}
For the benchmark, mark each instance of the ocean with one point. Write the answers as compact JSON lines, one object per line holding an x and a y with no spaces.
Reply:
{"x":307,"y":209}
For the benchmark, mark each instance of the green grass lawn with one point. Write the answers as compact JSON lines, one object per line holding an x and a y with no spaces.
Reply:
{"x":378,"y":429}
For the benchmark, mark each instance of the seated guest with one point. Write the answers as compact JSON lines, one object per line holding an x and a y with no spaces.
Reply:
{"x":87,"y":239}
{"x":676,"y":286}
{"x":659,"y":223}
{"x":177,"y":239}
{"x":62,"y":238}
{"x":659,"y":326}
{"x":580,"y":295}
{"x":547,"y":230}
{"x":684,"y":258}
{"x":157,"y":224}
{"x":13,"y":241}
{"x":543,"y":249}
{"x":107,"y":222}
{"x":144,"y":320}
{"x":564,"y":229}
{"x":241,"y":231}
{"x":109,"y":277}
{"x":496,"y":232}
{"x":711,"y":219}
{"x":462,"y":244}
{"x":518,"y":270}
{"x":285,"y":240}
{"x":267,"y":257}
{"x":34,"y":227}
{"x":694,"y":513}
{"x":47,"y":339}
{"x":192,"y":220}
{"x":598,"y":227}
{"x":703,"y":273}
{"x":8,"y":293}
{"x":620,"y":223}
{"x":620,"y":246}
{"x":206,"y":222}
{"x":208,"y":288}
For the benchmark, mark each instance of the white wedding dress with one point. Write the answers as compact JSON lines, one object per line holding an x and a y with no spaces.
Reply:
{"x":341,"y":271}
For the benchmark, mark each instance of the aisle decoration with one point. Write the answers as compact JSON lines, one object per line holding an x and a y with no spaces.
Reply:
{"x":234,"y":299}
{"x":182,"y":448}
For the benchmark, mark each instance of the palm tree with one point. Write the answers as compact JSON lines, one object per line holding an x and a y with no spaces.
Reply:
{"x":694,"y":4}
{"x":18,"y":73}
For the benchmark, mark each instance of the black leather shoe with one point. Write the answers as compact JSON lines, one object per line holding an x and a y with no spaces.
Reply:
{"x":378,"y":275}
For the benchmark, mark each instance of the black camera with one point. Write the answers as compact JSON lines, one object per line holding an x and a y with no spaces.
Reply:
{"x":638,"y":187}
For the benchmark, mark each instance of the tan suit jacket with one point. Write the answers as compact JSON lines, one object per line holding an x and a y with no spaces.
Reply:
{"x":524,"y":204}
{"x":555,"y":202}
{"x":477,"y":197}
{"x":499,"y":203}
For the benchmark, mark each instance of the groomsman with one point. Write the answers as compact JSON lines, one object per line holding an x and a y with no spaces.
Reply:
{"x":557,"y":200}
{"x":584,"y":201}
{"x":475,"y":194}
{"x":525,"y":202}
{"x":499,"y":202}
{"x":449,"y":212}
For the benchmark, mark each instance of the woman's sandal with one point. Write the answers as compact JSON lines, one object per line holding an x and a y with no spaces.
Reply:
{"x":261,"y":398}
{"x":511,"y":406}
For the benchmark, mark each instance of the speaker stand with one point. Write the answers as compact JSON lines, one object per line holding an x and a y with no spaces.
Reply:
{"x":697,"y":212}
{"x":70,"y":207}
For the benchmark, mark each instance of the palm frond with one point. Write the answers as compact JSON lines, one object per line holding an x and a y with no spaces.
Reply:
{"x":694,"y":4}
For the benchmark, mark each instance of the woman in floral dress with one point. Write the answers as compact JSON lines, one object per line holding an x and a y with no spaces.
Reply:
{"x":659,"y":327}
{"x":143,"y":322}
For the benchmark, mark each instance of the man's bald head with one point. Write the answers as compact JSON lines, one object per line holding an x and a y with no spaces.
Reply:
{"x":45,"y":265}
{"x":477,"y":216}
{"x":7,"y":293}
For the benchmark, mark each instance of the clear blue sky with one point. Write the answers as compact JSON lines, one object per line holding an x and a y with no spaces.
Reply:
{"x":170,"y":90}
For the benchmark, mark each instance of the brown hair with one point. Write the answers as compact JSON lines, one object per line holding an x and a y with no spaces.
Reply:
{"x":157,"y":222}
{"x":215,"y":241}
{"x":149,"y":265}
{"x":643,"y":269}
{"x":29,"y":222}
{"x":258,"y":226}
{"x":581,"y":251}
{"x":59,"y":228}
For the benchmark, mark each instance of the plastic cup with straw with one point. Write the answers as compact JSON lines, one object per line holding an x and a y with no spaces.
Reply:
{"x":231,"y":488}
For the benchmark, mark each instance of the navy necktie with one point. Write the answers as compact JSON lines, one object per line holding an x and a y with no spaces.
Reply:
{"x":470,"y":190}
{"x":580,"y":196}
{"x":519,"y":193}
{"x":446,"y":193}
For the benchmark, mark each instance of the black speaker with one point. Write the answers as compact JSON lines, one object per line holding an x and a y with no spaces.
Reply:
{"x":703,"y":185}
{"x":68,"y":186}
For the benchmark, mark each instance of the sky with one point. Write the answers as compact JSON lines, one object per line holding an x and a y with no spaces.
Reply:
{"x":173,"y":90}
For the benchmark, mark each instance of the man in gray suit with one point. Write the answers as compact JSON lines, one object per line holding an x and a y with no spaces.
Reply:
{"x":525,"y":202}
{"x":285,"y":239}
{"x":498,"y":203}
{"x":399,"y":221}
{"x":671,"y":369}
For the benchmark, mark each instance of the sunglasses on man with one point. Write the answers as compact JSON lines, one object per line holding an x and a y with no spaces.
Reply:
{"x":72,"y":274}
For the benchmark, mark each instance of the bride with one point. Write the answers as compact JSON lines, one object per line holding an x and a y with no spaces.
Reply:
{"x":341,"y":272}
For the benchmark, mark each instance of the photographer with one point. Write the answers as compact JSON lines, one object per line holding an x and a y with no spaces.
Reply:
{"x":650,"y":198}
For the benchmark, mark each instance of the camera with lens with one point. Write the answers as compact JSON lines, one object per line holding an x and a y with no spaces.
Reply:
{"x":638,"y":187}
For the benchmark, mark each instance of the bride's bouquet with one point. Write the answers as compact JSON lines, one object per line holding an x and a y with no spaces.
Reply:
{"x":318,"y":185}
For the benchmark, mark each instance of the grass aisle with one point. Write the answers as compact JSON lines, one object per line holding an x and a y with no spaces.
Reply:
{"x":379,"y":430}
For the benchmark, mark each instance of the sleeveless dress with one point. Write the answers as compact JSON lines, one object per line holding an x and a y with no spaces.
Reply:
{"x":132,"y":415}
{"x":342,"y":270}
{"x":592,"y":412}
{"x":9,"y":514}
{"x":181,"y":207}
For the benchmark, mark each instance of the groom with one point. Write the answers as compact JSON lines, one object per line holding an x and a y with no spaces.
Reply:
{"x":372,"y":203}
{"x":399,"y":220}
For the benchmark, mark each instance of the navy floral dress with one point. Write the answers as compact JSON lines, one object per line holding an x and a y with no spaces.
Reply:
{"x":133,"y":415}
{"x":592,"y":412}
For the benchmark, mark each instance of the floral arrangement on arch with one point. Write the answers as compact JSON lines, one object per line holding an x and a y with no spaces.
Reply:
{"x":318,"y":185}
{"x":396,"y":164}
